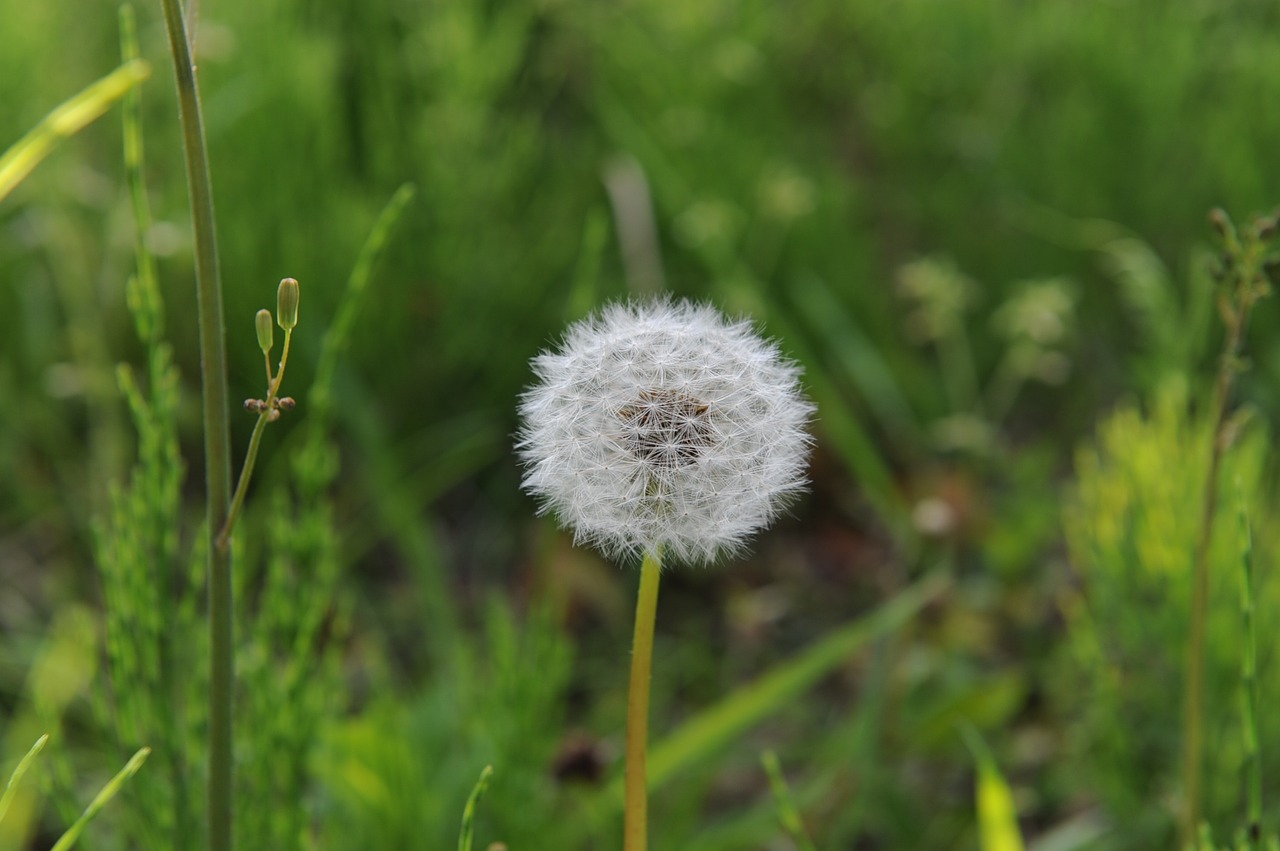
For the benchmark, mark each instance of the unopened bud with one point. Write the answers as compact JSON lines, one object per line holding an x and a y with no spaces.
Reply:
{"x":287,"y":403}
{"x":262,"y":322}
{"x":287,"y":304}
{"x":1220,"y":221}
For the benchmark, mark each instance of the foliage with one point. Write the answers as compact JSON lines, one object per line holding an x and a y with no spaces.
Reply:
{"x":918,"y":201}
{"x":1131,"y":537}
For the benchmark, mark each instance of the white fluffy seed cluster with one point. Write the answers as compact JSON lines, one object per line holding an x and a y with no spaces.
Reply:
{"x":662,"y":426}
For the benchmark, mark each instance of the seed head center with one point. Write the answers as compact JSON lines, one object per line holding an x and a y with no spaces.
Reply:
{"x":666,"y":429}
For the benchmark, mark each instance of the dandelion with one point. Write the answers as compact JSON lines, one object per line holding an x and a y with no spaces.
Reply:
{"x":663,"y":429}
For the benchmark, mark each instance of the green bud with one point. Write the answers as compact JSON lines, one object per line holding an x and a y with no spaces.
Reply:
{"x":262,"y":322}
{"x":287,"y":304}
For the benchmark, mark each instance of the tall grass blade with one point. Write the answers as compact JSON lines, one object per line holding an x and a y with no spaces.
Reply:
{"x":101,"y":799}
{"x":14,"y":779}
{"x":467,"y":833}
{"x":66,"y":120}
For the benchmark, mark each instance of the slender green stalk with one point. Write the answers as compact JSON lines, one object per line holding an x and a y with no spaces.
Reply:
{"x":1244,"y":284}
{"x":251,"y":456}
{"x":1249,"y":683}
{"x":217,"y":438}
{"x":635,"y":815}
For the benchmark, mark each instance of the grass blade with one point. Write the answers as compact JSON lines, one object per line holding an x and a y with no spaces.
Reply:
{"x":787,"y":812}
{"x":997,"y":815}
{"x":66,"y":120}
{"x":100,"y":800}
{"x":16,"y":777}
{"x":466,"y":834}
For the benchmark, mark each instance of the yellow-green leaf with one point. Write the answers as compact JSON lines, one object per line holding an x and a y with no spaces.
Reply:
{"x":66,"y":120}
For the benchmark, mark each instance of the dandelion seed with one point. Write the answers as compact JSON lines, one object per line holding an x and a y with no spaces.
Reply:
{"x":662,"y":426}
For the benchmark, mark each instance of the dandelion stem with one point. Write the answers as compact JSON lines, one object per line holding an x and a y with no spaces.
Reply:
{"x":635,"y":818}
{"x":217,"y":437}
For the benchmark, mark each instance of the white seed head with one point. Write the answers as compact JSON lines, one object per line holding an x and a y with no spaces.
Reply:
{"x":663,"y":427}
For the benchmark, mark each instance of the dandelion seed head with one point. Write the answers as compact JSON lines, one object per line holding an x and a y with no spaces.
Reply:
{"x":662,"y":426}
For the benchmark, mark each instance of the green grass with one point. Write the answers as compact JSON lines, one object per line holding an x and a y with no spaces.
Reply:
{"x":444,"y":180}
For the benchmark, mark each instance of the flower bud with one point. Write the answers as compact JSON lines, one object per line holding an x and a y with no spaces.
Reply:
{"x":1220,"y":221}
{"x":287,"y":304}
{"x":262,"y":323}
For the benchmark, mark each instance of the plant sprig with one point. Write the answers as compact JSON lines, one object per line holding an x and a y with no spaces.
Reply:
{"x":1244,"y":277}
{"x":269,"y":408}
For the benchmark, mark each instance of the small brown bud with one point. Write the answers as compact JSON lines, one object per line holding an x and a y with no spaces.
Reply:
{"x":287,"y":403}
{"x":1220,"y":221}
{"x":253,"y":406}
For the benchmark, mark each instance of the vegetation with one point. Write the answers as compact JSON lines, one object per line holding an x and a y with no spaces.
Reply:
{"x":1028,"y":601}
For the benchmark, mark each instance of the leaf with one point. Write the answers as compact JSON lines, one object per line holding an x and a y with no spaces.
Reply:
{"x":108,"y":792}
{"x":16,"y":777}
{"x":997,"y":815}
{"x":469,"y":812}
{"x":69,"y":118}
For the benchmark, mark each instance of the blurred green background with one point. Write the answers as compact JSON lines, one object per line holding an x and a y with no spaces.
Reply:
{"x":979,"y":224}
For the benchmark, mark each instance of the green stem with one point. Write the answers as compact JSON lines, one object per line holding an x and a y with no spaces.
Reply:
{"x":1241,"y":299}
{"x":217,"y":439}
{"x":635,"y":818}
{"x":251,"y":457}
{"x":1249,"y":680}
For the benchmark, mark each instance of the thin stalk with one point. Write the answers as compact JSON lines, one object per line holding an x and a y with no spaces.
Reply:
{"x":1237,"y":302}
{"x":217,"y":438}
{"x":1249,"y":684}
{"x":251,"y":456}
{"x":635,"y":815}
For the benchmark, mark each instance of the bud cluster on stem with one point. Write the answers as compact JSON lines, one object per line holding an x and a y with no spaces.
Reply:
{"x":269,"y":408}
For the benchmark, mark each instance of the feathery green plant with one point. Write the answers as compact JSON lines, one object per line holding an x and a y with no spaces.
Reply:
{"x":155,"y":644}
{"x":1127,"y":534}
